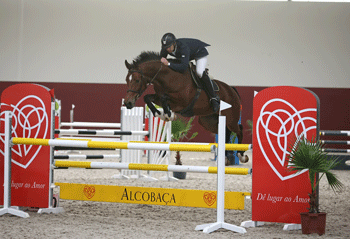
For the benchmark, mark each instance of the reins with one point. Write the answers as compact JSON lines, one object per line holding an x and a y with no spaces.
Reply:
{"x":140,"y":92}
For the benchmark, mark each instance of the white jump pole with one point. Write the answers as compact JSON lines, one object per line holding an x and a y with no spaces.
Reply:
{"x":91,"y":124}
{"x":71,"y":115}
{"x":51,"y":208}
{"x":208,"y":228}
{"x":7,"y":171}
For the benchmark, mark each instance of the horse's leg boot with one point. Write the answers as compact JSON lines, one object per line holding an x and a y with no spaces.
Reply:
{"x":209,"y":89}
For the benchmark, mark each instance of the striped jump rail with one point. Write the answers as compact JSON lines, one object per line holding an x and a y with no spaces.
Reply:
{"x":91,"y":124}
{"x":150,"y":167}
{"x":335,"y":142}
{"x":114,"y":139}
{"x":99,"y":132}
{"x":227,"y":146}
{"x":341,"y":142}
{"x":334,"y":133}
{"x":129,"y":145}
{"x":336,"y":150}
{"x":83,"y":156}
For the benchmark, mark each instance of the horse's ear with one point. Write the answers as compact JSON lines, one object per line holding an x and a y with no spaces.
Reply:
{"x":127,"y":64}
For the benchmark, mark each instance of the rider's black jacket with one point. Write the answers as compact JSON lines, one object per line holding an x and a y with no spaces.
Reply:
{"x":186,"y":49}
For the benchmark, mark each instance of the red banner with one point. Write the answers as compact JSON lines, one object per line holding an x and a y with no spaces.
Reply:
{"x":281,"y":114}
{"x":31,"y":108}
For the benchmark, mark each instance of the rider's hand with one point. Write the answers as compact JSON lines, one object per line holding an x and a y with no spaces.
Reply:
{"x":164,"y":61}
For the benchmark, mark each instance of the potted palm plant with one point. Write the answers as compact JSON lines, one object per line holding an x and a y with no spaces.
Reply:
{"x":179,"y":131}
{"x":309,"y":155}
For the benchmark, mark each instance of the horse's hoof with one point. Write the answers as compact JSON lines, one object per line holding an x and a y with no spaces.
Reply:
{"x":172,"y":117}
{"x":227,"y":162}
{"x":161,"y":116}
{"x":230,"y":159}
{"x":243,"y":159}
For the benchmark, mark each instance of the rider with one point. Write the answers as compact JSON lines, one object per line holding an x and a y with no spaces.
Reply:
{"x":185,"y":50}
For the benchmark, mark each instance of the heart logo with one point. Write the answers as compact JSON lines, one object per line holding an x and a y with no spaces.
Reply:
{"x":279,"y":123}
{"x":29,"y":120}
{"x":209,"y":198}
{"x":89,"y":191}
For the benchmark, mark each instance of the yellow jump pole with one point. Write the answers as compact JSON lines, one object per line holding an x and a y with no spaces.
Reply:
{"x":150,"y":167}
{"x":129,"y":145}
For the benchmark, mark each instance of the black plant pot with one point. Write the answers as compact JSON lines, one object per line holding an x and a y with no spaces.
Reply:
{"x":313,"y":223}
{"x":179,"y":175}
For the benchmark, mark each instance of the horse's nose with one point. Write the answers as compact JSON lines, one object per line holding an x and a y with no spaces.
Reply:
{"x":128,"y":105}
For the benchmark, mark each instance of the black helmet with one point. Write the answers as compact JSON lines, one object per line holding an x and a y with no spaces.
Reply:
{"x":167,"y":40}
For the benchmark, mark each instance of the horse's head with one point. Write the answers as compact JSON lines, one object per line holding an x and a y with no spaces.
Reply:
{"x":136,"y":83}
{"x":142,"y":72}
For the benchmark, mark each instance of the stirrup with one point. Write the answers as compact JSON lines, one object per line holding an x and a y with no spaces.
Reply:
{"x":215,"y":99}
{"x":215,"y":103}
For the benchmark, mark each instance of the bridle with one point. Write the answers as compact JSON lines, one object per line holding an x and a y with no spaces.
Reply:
{"x":140,"y":92}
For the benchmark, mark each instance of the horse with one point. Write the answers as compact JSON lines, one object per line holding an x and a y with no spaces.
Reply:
{"x":177,"y":92}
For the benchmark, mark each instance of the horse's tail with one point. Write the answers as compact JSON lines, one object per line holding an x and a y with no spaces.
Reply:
{"x":241,"y":129}
{"x":236,"y":92}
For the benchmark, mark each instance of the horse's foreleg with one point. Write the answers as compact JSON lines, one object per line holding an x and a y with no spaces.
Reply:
{"x":149,"y":101}
{"x":168,"y":114}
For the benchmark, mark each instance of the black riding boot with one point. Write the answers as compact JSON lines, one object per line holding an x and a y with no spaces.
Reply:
{"x":213,"y":98}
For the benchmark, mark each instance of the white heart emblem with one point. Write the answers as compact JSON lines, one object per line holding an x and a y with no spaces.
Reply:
{"x":29,"y":120}
{"x":277,"y":127}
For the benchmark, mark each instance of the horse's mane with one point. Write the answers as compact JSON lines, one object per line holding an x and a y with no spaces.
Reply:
{"x":146,"y":56}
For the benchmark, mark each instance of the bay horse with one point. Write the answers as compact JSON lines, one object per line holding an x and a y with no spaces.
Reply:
{"x":177,"y":92}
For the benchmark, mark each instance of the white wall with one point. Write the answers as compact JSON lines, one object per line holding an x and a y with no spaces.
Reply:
{"x":252,"y":43}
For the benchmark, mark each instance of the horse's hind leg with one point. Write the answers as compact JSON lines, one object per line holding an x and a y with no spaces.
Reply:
{"x":210,"y":123}
{"x":230,"y":156}
{"x":242,"y":158}
{"x":238,"y":129}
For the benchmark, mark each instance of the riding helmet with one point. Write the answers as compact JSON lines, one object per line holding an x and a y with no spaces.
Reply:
{"x":167,"y":40}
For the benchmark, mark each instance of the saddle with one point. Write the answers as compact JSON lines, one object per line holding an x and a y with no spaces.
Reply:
{"x":196,"y":79}
{"x":188,"y":111}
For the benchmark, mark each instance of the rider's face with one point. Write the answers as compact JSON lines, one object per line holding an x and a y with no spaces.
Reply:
{"x":171,"y":48}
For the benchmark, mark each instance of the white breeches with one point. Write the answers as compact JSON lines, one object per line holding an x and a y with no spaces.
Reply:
{"x":201,"y":64}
